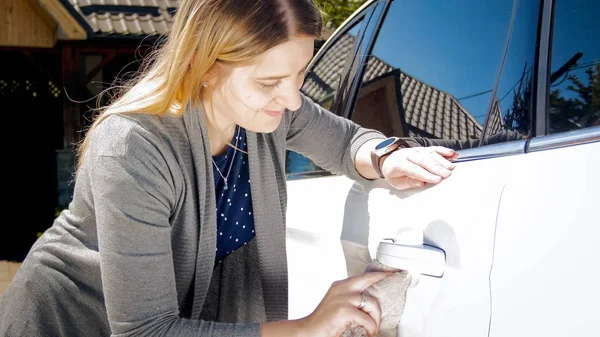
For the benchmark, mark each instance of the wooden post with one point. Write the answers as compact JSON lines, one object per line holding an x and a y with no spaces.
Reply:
{"x":71,"y":109}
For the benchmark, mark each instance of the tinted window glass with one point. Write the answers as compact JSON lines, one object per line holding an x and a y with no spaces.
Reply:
{"x":322,"y":85}
{"x":512,"y":107}
{"x":324,"y":79}
{"x":575,"y":69}
{"x":432,"y":74}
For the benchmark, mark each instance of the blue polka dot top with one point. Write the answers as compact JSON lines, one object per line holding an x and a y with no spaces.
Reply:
{"x":235,"y":222}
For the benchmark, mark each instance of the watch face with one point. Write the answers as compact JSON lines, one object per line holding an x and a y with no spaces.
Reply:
{"x":384,"y":143}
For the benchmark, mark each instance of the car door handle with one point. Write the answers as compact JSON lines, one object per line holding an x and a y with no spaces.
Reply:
{"x":424,"y":259}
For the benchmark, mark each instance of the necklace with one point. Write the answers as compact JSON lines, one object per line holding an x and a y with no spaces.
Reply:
{"x":237,"y":138}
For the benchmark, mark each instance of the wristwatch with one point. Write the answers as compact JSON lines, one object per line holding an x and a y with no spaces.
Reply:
{"x":385,"y":148}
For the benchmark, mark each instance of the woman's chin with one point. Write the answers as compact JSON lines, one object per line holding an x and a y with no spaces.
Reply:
{"x":266,"y":126}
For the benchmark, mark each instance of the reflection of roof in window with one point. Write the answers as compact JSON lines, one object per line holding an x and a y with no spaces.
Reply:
{"x":325,"y":77}
{"x":428,"y":111}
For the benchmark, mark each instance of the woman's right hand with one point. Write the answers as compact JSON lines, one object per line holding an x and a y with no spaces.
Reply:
{"x":340,"y":308}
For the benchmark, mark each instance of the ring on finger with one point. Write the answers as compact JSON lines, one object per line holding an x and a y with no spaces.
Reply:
{"x":363,"y":303}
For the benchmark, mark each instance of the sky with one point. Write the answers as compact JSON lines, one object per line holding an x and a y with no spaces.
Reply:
{"x":576,"y":30}
{"x":457,"y":46}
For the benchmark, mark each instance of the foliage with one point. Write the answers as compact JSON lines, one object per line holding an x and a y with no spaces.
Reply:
{"x":335,"y":12}
{"x":518,"y":116}
{"x":580,"y":111}
{"x":565,"y":114}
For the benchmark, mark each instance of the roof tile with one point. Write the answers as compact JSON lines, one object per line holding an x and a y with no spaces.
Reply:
{"x":120,"y":18}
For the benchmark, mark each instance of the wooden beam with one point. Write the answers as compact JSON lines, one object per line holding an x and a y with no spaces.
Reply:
{"x":70,"y":29}
{"x":105,"y":60}
{"x":22,"y":26}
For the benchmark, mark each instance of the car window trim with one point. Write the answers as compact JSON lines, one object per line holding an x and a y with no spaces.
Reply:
{"x":372,"y":29}
{"x":363,"y":14}
{"x":334,"y":38}
{"x":548,"y":142}
{"x":345,"y":91}
{"x":564,"y":139}
{"x":493,"y":151}
{"x":544,"y":62}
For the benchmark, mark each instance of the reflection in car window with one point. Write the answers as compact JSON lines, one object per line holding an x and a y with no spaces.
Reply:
{"x":324,"y":79}
{"x":322,"y":85}
{"x":512,"y":107}
{"x":575,"y":69}
{"x":432,"y":74}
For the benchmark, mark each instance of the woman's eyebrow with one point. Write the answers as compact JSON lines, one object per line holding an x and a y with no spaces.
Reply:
{"x":271,"y":78}
{"x":278,"y":77}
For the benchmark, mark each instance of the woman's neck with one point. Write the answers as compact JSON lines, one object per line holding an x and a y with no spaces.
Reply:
{"x":220,"y":130}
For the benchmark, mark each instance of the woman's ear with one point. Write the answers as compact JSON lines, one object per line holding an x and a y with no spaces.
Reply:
{"x":212,"y":73}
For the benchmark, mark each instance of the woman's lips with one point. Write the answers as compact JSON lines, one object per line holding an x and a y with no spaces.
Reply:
{"x":274,"y":113}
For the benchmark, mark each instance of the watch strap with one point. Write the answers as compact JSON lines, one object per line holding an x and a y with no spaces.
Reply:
{"x":378,"y":154}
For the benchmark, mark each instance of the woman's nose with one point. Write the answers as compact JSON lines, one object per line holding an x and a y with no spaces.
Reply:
{"x":290,"y":98}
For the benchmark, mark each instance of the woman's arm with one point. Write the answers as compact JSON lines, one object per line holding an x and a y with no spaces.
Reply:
{"x":330,"y":141}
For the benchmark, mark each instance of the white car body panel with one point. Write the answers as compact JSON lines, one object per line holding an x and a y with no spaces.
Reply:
{"x":462,"y":224}
{"x":548,"y":229}
{"x":544,"y":209}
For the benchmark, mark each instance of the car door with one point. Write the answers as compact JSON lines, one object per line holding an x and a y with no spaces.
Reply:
{"x":445,"y":73}
{"x":543,"y":279}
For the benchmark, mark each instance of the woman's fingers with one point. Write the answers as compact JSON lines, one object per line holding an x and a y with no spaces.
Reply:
{"x":406,"y":167}
{"x":409,"y":168}
{"x":365,"y":320}
{"x":372,"y":308}
{"x":444,"y":151}
{"x":361,"y":282}
{"x":447,"y":164}
{"x":404,"y":183}
{"x":425,"y":160}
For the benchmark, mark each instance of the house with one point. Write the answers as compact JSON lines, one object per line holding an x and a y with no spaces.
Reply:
{"x":58,"y":56}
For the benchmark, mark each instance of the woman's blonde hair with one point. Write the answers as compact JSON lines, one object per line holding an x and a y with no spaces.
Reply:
{"x":205,"y":32}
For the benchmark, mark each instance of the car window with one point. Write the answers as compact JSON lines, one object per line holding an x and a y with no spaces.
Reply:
{"x":511,"y":110}
{"x":322,"y":85}
{"x":324,"y":78}
{"x":433,"y":75}
{"x":575,"y":67}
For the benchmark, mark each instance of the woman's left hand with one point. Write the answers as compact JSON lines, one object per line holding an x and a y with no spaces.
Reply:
{"x":414,"y":167}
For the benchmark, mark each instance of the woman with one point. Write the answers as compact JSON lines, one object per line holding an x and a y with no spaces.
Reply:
{"x":176,"y":227}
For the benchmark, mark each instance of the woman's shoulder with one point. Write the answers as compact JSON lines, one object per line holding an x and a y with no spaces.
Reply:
{"x":119,"y":134}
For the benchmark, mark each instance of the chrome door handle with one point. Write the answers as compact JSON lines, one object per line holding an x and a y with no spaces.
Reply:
{"x":423,"y":259}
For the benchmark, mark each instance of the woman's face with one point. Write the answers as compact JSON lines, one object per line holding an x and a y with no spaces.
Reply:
{"x":256,"y":95}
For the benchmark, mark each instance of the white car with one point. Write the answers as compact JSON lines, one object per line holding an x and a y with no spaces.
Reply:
{"x":515,"y":88}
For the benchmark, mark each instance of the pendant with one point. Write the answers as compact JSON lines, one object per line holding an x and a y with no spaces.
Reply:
{"x":225,"y":187}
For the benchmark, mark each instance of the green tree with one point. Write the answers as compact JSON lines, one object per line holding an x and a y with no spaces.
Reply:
{"x":335,"y":12}
{"x":580,"y":111}
{"x":518,"y":116}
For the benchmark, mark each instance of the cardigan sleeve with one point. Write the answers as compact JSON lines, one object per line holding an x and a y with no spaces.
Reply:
{"x":133,"y":195}
{"x":330,"y":141}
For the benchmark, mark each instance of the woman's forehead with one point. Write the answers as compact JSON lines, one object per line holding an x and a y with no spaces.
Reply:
{"x":288,"y":57}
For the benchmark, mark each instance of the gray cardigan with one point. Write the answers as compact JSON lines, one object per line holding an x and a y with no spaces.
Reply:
{"x":134,"y":253}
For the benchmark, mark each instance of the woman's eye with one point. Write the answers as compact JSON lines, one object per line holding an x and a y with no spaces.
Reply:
{"x":269,"y":86}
